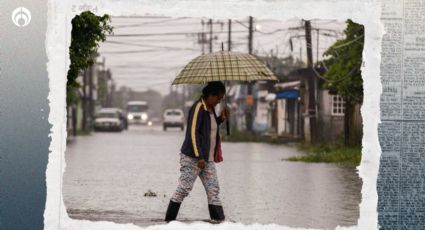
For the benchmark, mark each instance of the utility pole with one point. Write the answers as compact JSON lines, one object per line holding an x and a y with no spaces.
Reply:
{"x":249,"y":97}
{"x":229,"y":38}
{"x":317,"y":45}
{"x":91,"y":104}
{"x":250,"y":35}
{"x":312,"y":85}
{"x":84,"y":121}
{"x":112,"y":94}
{"x":301,"y":54}
{"x":307,"y":27}
{"x":211,"y":35}
{"x":202,"y":37}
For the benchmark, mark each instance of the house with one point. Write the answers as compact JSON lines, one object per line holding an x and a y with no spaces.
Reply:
{"x":325,"y":107}
{"x":288,"y":106}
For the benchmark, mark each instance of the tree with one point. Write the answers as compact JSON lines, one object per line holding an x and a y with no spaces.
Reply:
{"x":88,"y":30}
{"x":343,"y":76}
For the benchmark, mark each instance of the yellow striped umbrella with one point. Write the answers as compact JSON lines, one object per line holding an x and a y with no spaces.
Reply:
{"x":224,"y":66}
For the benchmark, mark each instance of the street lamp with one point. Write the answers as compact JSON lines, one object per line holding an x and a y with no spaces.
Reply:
{"x":258,"y":27}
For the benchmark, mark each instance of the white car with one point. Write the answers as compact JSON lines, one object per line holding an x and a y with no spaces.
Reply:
{"x":173,"y":118}
{"x":137,"y":112}
{"x":108,"y":119}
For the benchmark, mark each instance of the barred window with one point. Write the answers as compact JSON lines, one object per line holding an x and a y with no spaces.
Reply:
{"x":338,"y":105}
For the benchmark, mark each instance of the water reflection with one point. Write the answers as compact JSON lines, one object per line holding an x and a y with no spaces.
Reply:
{"x":107,"y":175}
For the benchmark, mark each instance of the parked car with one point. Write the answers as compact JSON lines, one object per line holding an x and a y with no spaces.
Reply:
{"x":109,"y":119}
{"x":121,"y":114}
{"x":173,"y":118}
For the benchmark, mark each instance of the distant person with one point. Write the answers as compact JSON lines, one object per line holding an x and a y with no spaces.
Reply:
{"x":198,"y":152}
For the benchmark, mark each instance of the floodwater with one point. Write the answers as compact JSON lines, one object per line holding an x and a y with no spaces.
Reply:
{"x":107,"y":175}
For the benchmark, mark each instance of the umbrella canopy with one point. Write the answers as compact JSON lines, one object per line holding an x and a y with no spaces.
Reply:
{"x":224,"y":66}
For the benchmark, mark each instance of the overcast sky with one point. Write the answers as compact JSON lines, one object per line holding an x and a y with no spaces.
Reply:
{"x":148,"y":52}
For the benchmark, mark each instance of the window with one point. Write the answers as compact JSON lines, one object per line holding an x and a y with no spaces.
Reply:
{"x":338,"y":105}
{"x":137,"y":108}
{"x":107,"y":115}
{"x":173,"y":113}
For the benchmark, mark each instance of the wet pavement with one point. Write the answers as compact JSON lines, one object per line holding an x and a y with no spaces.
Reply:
{"x":108,"y":174}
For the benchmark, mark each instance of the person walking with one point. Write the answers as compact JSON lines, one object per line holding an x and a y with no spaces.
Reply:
{"x":199,"y":150}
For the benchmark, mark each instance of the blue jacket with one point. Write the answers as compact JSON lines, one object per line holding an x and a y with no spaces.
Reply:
{"x":197,"y":140}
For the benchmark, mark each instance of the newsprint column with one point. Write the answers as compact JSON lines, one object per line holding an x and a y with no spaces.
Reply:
{"x":401,"y":180}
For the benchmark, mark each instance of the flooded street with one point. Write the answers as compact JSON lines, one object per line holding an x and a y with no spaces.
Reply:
{"x":107,"y":175}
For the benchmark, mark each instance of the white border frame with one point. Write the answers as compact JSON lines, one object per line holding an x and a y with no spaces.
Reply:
{"x":366,"y":12}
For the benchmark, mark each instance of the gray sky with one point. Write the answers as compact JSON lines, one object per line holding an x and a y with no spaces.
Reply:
{"x":148,"y":52}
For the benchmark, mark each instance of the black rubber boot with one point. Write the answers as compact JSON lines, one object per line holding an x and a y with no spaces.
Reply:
{"x":216,"y":212}
{"x":172,"y":211}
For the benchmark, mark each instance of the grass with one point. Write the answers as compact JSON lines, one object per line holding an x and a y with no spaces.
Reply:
{"x":83,"y":133}
{"x":327,"y":153}
{"x":237,"y":136}
{"x":314,"y":153}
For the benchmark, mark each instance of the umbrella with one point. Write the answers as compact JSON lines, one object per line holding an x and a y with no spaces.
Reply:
{"x":224,"y":66}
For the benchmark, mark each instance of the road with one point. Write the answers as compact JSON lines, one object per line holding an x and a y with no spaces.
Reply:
{"x":107,"y":175}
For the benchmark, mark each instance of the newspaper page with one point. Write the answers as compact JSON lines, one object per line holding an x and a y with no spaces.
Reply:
{"x":401,"y":132}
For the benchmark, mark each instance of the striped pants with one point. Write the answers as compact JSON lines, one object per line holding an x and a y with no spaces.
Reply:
{"x":189,"y":172}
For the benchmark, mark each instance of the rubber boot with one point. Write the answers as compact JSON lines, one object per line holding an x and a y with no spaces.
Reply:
{"x":216,"y":212}
{"x":172,"y":211}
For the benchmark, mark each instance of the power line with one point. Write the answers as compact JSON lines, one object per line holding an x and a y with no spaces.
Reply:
{"x":160,"y":57}
{"x":347,"y":43}
{"x":139,"y":77}
{"x":272,"y":32}
{"x":139,"y":17}
{"x":129,"y":52}
{"x":138,"y":67}
{"x":324,"y":22}
{"x":141,"y":66}
{"x":131,"y":72}
{"x":265,"y":33}
{"x":338,"y":80}
{"x":135,"y":52}
{"x":144,"y":80}
{"x":167,"y":34}
{"x":152,"y":40}
{"x":150,"y":46}
{"x":240,"y":23}
{"x":139,"y":84}
{"x":146,"y":71}
{"x":150,"y":23}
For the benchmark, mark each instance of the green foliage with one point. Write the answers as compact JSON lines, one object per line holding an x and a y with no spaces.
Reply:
{"x":329,"y":154}
{"x":87,"y":30}
{"x":343,"y":66}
